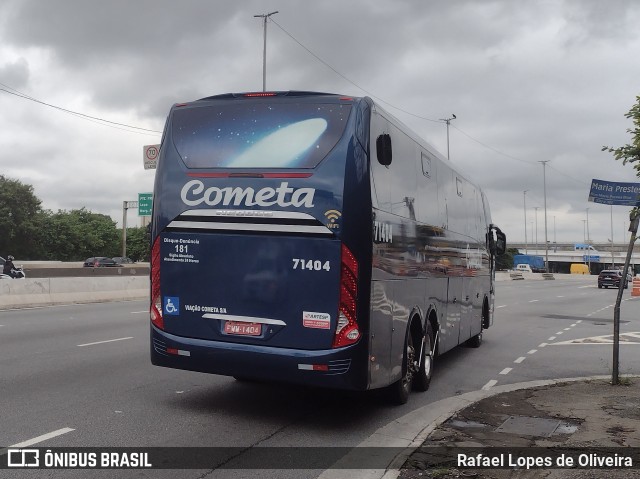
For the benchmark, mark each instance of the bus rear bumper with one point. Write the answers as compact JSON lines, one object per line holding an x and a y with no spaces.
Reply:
{"x":333,"y":368}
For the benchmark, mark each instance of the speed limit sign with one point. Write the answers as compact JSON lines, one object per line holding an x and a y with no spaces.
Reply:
{"x":150,"y":158}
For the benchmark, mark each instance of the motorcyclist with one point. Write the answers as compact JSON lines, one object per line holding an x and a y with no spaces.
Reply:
{"x":9,"y":268}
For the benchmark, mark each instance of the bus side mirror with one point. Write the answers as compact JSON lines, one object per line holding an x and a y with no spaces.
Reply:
{"x":383,"y":149}
{"x":501,"y":243}
{"x":497,"y":245}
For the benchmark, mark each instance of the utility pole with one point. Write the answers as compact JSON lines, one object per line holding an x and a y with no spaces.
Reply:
{"x":536,"y":208}
{"x":613,"y":261}
{"x":125,"y":206}
{"x":546,"y":241}
{"x":588,"y":242}
{"x":264,"y":52}
{"x":448,"y":122}
{"x":525,"y":222}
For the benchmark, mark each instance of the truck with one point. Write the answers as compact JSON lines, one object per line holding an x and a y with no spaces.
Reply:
{"x":536,"y":262}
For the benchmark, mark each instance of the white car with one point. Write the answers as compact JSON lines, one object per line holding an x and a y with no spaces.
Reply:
{"x":523,"y":268}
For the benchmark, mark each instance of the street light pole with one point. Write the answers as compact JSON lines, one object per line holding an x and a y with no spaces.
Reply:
{"x":448,"y":122}
{"x":546,"y":241}
{"x":525,"y":222}
{"x":536,"y":208}
{"x":588,"y":242}
{"x":264,"y":52}
{"x":613,"y":261}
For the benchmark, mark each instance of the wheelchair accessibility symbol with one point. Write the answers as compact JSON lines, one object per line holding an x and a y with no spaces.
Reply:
{"x":171,"y":305}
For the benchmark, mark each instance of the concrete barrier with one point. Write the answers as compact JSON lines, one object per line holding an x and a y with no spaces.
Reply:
{"x":29,"y":292}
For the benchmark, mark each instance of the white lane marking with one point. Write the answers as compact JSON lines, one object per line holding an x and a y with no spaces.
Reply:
{"x":625,"y":338}
{"x":533,"y":351}
{"x":519,"y":360}
{"x":542,"y":345}
{"x":559,"y":333}
{"x":506,"y":371}
{"x":36,"y":440}
{"x":573,"y":325}
{"x":102,"y":342}
{"x":502,"y":306}
{"x":582,"y":287}
{"x":489,"y":385}
{"x":140,"y":312}
{"x":534,"y":300}
{"x":559,"y":296}
{"x":567,"y":329}
{"x":578,"y":321}
{"x":552,"y":338}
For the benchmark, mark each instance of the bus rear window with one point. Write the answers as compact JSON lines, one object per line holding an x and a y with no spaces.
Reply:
{"x":258,"y":135}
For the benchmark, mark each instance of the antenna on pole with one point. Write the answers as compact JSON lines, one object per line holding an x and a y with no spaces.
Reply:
{"x":264,"y":51}
{"x":448,"y":122}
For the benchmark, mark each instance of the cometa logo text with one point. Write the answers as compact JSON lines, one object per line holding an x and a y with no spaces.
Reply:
{"x":194,"y":193}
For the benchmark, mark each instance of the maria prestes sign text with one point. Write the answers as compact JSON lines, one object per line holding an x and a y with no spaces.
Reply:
{"x":614,"y":193}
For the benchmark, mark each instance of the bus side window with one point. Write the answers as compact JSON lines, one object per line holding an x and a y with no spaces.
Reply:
{"x":383,"y":149}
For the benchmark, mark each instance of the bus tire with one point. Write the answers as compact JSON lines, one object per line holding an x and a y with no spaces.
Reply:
{"x":422,"y":378}
{"x":400,"y":390}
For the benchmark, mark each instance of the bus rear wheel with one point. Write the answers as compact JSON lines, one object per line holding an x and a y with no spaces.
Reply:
{"x":422,"y":378}
{"x":400,"y":390}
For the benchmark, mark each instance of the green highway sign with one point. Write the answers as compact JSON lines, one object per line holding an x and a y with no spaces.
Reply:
{"x":145,"y":204}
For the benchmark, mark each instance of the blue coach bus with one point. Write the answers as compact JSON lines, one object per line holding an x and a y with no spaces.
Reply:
{"x":312,"y":238}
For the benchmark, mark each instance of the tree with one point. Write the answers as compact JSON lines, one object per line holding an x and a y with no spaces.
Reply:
{"x":138,"y":248}
{"x":630,"y":153}
{"x":505,"y":261}
{"x":79,"y":234}
{"x":20,"y":213}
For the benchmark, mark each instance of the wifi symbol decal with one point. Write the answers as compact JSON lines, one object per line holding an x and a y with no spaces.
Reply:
{"x":332,"y":216}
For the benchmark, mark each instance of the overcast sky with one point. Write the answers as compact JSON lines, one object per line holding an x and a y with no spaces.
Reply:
{"x":528,"y":81}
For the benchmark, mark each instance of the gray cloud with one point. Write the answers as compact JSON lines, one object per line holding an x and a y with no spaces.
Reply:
{"x":535,"y":80}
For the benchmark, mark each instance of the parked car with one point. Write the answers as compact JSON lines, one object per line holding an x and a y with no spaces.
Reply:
{"x":99,"y":262}
{"x":122,"y":260}
{"x":611,"y":277}
{"x":523,"y":268}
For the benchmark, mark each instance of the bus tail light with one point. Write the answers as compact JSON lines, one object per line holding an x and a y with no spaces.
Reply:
{"x":156,"y":297}
{"x":347,"y":331}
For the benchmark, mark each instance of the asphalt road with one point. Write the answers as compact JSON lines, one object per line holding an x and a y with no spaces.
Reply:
{"x":80,"y":375}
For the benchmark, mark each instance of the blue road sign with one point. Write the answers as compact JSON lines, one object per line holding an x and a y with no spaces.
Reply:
{"x":614,"y":193}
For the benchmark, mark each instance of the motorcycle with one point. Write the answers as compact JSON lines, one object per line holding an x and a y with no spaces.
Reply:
{"x":18,"y":272}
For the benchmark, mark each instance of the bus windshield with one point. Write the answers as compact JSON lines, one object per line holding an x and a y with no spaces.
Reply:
{"x":258,"y":135}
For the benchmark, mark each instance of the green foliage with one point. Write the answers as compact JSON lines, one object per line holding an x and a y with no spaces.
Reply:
{"x":138,"y":244}
{"x":78,"y":234}
{"x":20,"y":212}
{"x":630,"y":153}
{"x":30,"y":233}
{"x":505,"y":261}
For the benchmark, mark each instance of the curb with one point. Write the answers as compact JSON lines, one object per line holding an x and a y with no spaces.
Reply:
{"x":411,"y":430}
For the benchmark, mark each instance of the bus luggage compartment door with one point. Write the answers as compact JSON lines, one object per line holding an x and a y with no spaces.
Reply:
{"x":279,"y":291}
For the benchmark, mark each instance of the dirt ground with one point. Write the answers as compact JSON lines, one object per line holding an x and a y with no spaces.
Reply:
{"x":578,"y":418}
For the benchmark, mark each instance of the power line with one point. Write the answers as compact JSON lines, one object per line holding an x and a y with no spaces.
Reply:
{"x":495,"y":150}
{"x":101,"y":121}
{"x":349,"y":80}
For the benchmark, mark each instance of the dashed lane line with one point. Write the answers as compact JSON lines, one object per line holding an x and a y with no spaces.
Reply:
{"x":505,"y":371}
{"x":36,"y":440}
{"x":102,"y":342}
{"x":489,"y":385}
{"x":533,"y":351}
{"x":519,"y":360}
